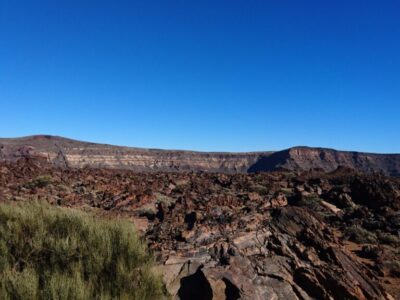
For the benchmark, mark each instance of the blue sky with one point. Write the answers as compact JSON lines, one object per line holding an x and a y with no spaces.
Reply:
{"x":203,"y":75}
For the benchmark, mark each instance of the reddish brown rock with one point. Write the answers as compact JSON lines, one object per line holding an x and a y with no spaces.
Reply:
{"x":275,"y":235}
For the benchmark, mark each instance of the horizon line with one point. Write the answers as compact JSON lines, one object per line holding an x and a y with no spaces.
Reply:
{"x":50,"y":136}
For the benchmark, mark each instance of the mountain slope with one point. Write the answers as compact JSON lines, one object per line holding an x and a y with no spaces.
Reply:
{"x":66,"y":152}
{"x":305,"y":158}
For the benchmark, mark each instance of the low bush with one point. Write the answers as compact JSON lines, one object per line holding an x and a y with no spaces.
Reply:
{"x":389,"y":239}
{"x":59,"y":253}
{"x":258,"y":188}
{"x":394,"y":267}
{"x":311,"y":202}
{"x":370,"y":251}
{"x":39,"y":182}
{"x":360,"y":235}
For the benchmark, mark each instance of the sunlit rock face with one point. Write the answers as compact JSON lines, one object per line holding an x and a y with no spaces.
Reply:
{"x":66,"y":152}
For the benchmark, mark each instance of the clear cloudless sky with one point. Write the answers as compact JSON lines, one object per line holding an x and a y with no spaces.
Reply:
{"x":204,"y":75}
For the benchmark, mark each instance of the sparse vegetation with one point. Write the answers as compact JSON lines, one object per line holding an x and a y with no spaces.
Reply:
{"x":39,"y":182}
{"x":360,"y":235}
{"x":259,"y":189}
{"x":389,"y":239}
{"x":311,"y":202}
{"x":59,"y":253}
{"x":393,"y":267}
{"x":287,"y":191}
{"x":164,"y":199}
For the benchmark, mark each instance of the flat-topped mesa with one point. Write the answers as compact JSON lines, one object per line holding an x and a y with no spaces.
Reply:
{"x":71,"y":153}
{"x":66,"y":152}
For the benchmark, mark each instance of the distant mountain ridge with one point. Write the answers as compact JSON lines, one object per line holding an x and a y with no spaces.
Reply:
{"x":65,"y":152}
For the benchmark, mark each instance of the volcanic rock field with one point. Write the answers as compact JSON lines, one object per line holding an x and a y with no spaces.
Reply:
{"x":320,"y":224}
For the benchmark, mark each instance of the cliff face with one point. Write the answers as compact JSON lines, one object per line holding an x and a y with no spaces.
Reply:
{"x":71,"y":153}
{"x":66,"y":152}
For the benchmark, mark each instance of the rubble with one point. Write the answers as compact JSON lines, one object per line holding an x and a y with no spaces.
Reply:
{"x":277,"y":235}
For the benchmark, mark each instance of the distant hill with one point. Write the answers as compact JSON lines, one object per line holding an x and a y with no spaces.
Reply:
{"x":65,"y":152}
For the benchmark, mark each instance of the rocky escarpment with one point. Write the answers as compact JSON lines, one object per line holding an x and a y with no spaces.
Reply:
{"x":70,"y":153}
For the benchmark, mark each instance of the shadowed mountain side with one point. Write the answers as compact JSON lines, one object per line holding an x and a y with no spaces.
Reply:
{"x":305,"y":158}
{"x":270,"y":162}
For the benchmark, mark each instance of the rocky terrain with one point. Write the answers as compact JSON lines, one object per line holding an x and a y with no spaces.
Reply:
{"x":70,"y":153}
{"x":275,"y":235}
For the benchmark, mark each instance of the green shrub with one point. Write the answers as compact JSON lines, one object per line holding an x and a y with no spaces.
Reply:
{"x":39,"y":182}
{"x":311,"y":201}
{"x":360,"y":235}
{"x":394,"y":267}
{"x":258,"y":188}
{"x":59,"y":253}
{"x":287,"y":191}
{"x":387,"y":238}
